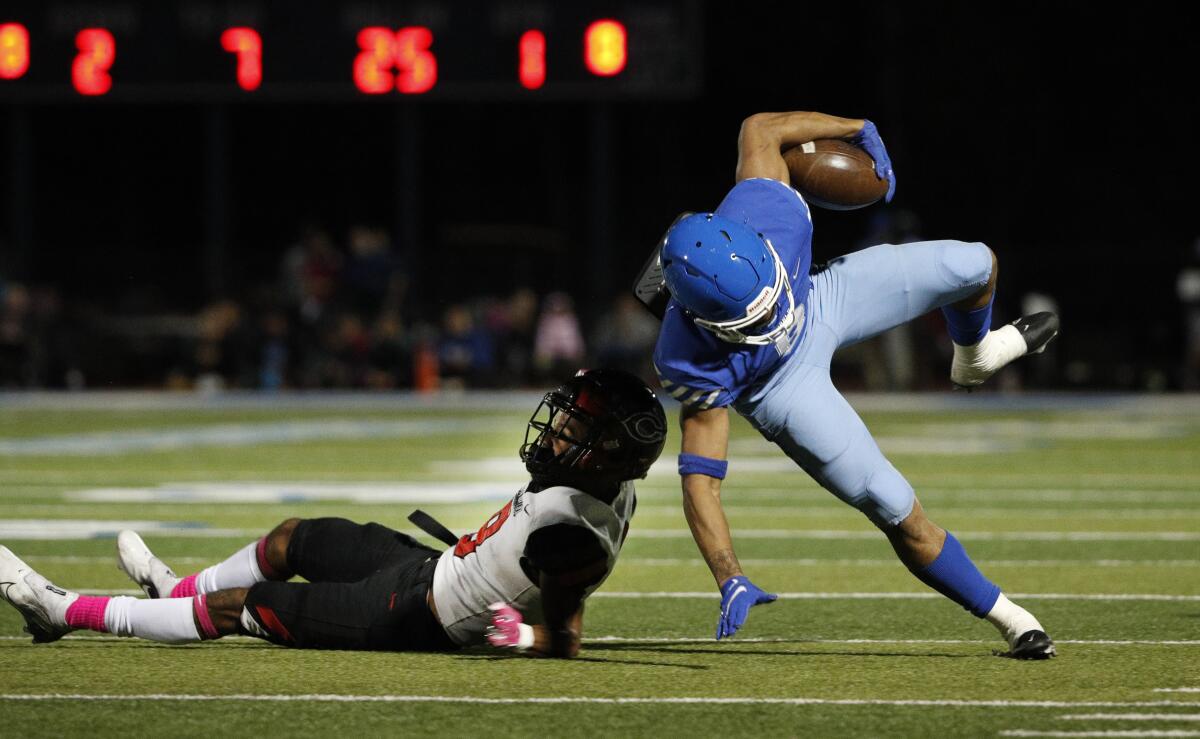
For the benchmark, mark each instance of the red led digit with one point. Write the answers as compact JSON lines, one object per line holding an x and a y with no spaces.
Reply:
{"x":14,"y":51}
{"x":604,"y":48}
{"x":373,"y":65}
{"x":247,"y":44}
{"x":89,"y":71}
{"x":531,"y":69}
{"x":415,"y":63}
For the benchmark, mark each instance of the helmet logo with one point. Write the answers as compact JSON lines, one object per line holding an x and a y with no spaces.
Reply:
{"x":759,"y":303}
{"x":645,"y":427}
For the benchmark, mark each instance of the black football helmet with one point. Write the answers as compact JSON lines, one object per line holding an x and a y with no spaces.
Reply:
{"x":600,"y":428}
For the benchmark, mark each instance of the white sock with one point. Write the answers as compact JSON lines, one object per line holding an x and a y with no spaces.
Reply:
{"x":996,"y":349}
{"x":167,"y":620}
{"x":1011,"y":619}
{"x":239,"y":571}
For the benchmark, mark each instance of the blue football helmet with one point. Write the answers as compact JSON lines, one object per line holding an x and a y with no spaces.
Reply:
{"x":729,"y":279}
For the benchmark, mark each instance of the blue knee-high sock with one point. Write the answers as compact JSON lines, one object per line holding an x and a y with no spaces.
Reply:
{"x":968,"y":327}
{"x":955,"y":576}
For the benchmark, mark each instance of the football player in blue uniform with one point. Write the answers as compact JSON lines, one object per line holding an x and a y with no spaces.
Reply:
{"x":749,"y":326}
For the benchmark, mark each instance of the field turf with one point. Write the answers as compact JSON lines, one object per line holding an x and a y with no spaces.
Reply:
{"x":1086,"y":510}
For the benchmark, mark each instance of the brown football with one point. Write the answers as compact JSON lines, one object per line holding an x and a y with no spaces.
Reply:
{"x":834,"y":174}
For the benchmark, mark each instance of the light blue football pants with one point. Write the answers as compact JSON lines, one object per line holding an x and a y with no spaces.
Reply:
{"x":858,"y":296}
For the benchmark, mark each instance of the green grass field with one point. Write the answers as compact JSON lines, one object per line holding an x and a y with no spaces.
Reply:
{"x":1087,"y":511}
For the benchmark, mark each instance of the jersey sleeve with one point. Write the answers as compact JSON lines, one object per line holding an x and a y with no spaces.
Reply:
{"x":691,"y":367}
{"x":692,"y":391}
{"x":562,"y":548}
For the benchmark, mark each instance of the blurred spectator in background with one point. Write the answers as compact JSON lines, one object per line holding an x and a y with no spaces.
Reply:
{"x":275,"y":351}
{"x":225,"y":349}
{"x":1187,"y":287}
{"x":391,"y":360}
{"x":513,"y":323}
{"x":624,"y":337}
{"x":558,"y":347}
{"x":310,"y":273}
{"x":15,"y":329}
{"x":465,"y":351}
{"x":374,"y":277}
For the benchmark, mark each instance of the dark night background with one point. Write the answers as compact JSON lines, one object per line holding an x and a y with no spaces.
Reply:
{"x":1060,"y":137}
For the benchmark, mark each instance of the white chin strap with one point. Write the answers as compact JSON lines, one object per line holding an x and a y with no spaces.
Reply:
{"x":758,"y":310}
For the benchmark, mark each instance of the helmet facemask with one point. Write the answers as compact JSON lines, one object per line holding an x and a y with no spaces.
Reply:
{"x":559,"y":422}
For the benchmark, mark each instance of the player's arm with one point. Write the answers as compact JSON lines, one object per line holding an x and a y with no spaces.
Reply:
{"x":706,"y":437}
{"x":702,"y":465}
{"x":764,"y":136}
{"x":569,"y":559}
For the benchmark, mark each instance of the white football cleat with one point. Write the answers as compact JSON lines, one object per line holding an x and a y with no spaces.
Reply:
{"x":136,"y":560}
{"x":42,"y":603}
{"x":1030,"y":334}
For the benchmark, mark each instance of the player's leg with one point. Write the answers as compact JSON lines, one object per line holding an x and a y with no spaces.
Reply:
{"x":322,"y":549}
{"x":870,"y":291}
{"x":386,"y":611}
{"x":337,"y":550}
{"x":808,"y":418}
{"x":257,"y":561}
{"x":51,"y":612}
{"x":938,"y":559}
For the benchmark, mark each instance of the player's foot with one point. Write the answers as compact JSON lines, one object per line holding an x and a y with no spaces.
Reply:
{"x":41,"y":602}
{"x":1033,"y":644}
{"x":1030,"y":334}
{"x":136,"y":560}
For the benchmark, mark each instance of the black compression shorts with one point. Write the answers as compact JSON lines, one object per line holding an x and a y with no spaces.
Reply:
{"x":367,"y":590}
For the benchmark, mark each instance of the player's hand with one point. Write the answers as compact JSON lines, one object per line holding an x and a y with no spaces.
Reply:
{"x":508,"y":630}
{"x":738,"y":594}
{"x":868,"y":139}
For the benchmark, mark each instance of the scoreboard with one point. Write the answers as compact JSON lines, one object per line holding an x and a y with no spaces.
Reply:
{"x":302,"y":50}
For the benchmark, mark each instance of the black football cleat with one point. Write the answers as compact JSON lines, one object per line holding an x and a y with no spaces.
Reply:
{"x":1037,"y":330}
{"x":1033,"y":644}
{"x":1027,"y":335}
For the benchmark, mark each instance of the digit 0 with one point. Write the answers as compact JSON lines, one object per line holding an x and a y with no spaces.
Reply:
{"x":89,"y":71}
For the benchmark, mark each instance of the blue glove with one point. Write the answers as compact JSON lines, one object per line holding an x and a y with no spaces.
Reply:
{"x":868,"y":139}
{"x":737,"y":595}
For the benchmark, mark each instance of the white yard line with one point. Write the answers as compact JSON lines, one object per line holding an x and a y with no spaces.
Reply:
{"x":705,"y":595}
{"x":842,"y":511}
{"x":668,"y":640}
{"x":964,"y":535}
{"x":680,"y":700}
{"x":900,"y":596}
{"x":1177,"y":690}
{"x":1131,"y":717}
{"x":804,"y":640}
{"x":696,"y":561}
{"x":815,"y":562}
{"x":1113,"y":733}
{"x":51,"y":559}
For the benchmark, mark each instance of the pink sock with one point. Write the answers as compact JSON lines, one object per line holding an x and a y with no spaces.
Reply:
{"x":185,"y":588}
{"x":87,"y":612}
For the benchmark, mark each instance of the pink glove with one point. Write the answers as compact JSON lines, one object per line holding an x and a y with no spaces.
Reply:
{"x":508,"y":630}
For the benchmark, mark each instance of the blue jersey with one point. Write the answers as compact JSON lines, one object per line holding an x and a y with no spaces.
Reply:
{"x":697,"y":368}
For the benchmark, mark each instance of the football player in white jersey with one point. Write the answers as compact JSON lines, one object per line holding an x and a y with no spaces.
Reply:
{"x":373,"y":588}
